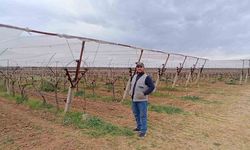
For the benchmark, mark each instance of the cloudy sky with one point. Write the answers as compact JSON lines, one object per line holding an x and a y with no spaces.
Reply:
{"x":215,"y":29}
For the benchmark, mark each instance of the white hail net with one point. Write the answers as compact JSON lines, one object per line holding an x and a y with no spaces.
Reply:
{"x":25,"y":49}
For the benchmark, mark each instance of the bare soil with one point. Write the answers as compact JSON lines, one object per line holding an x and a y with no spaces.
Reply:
{"x":219,"y":121}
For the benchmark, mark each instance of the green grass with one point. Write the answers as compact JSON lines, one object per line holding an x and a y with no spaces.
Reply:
{"x":79,"y":93}
{"x":47,"y":86}
{"x":158,"y":108}
{"x":31,"y":103}
{"x":87,"y":95}
{"x":8,"y":140}
{"x":159,"y":94}
{"x":2,"y":87}
{"x":95,"y":97}
{"x":220,"y":77}
{"x":95,"y":125}
{"x":198,"y":99}
{"x":191,"y":98}
{"x":127,"y":102}
{"x":231,"y":82}
{"x":20,"y":100}
{"x":101,"y":98}
{"x":5,"y":95}
{"x":165,"y":109}
{"x":34,"y":104}
{"x":168,"y":88}
{"x":109,"y":86}
{"x":212,"y":81}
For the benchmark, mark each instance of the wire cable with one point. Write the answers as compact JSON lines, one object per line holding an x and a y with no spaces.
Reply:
{"x":70,"y":49}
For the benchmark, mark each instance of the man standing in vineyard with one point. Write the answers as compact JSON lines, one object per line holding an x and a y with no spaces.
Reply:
{"x":141,"y":86}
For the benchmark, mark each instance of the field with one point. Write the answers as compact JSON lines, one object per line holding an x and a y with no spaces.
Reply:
{"x":213,"y":114}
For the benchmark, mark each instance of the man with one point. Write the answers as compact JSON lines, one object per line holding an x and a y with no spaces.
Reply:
{"x":141,"y":86}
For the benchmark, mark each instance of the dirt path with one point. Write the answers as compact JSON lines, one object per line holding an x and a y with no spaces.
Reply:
{"x":221,"y":125}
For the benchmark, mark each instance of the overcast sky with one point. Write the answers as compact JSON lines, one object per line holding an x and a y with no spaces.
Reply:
{"x":215,"y":29}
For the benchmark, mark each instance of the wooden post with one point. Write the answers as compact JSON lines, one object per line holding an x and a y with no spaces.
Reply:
{"x":157,"y":79}
{"x":248,"y":70}
{"x":130,"y":79}
{"x":189,"y":76}
{"x":75,"y":81}
{"x":191,"y":72}
{"x":69,"y":98}
{"x":247,"y":74}
{"x":7,"y":79}
{"x":161,"y":72}
{"x":56,"y":87}
{"x":200,"y":71}
{"x":242,"y":71}
{"x":178,"y":72}
{"x":126,"y":89}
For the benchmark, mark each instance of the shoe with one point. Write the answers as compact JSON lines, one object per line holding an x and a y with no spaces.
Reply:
{"x":136,"y":129}
{"x":141,"y":134}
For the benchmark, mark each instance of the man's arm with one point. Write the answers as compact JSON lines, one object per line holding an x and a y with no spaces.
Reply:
{"x":150,"y":84}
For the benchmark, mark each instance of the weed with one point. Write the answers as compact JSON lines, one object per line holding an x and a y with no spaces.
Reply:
{"x":212,"y":81}
{"x":2,"y":87}
{"x":191,"y":98}
{"x":157,"y":108}
{"x":95,"y":125}
{"x":20,"y":99}
{"x":5,"y":95}
{"x":33,"y":104}
{"x":168,"y":88}
{"x":47,"y":86}
{"x":80,"y":93}
{"x":230,"y":82}
{"x":90,"y":96}
{"x":101,"y":98}
{"x":158,"y":94}
{"x":220,"y":77}
{"x":198,"y":99}
{"x":127,"y":102}
{"x":108,"y":99}
{"x":8,"y":140}
{"x":216,"y":144}
{"x":65,"y":91}
{"x":109,"y":86}
{"x":165,"y":109}
{"x":92,"y":85}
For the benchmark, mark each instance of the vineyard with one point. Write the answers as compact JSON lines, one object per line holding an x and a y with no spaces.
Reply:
{"x":83,"y":84}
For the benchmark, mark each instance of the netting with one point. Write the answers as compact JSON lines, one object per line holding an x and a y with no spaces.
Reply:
{"x":40,"y":50}
{"x":224,"y":64}
{"x":44,"y":62}
{"x":27,"y":48}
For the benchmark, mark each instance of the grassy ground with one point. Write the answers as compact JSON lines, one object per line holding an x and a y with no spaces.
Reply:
{"x":211,"y":116}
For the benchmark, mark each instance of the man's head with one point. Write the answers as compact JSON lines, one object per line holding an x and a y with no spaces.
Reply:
{"x":139,"y":67}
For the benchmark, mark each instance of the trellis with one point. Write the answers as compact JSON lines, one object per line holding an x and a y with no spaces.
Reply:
{"x":26,"y":47}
